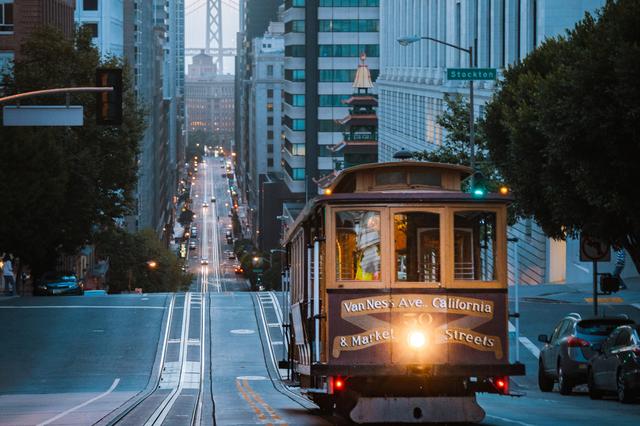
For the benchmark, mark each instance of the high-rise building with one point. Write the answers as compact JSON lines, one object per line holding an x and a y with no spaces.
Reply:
{"x":105,"y":20}
{"x":19,"y":18}
{"x":255,"y":16}
{"x":209,"y":99}
{"x":323,"y":43}
{"x":412,"y":86}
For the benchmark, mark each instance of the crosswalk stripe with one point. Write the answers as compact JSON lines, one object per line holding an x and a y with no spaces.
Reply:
{"x":529,"y":345}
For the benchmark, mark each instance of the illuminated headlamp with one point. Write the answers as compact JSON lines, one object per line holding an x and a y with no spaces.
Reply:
{"x":416,"y":339}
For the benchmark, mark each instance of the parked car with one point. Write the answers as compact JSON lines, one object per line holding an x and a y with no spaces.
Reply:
{"x":192,"y":245}
{"x":616,"y":366}
{"x":566,"y":354}
{"x":58,"y":284}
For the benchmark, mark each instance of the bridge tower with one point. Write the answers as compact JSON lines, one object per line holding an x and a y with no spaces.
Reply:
{"x":214,"y":33}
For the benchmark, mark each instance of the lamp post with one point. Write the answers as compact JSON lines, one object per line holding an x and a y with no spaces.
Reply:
{"x":405,"y":41}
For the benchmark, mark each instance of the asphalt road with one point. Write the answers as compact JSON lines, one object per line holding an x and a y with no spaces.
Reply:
{"x":58,"y":353}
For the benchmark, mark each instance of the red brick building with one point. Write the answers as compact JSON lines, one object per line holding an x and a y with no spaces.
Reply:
{"x":18,"y":18}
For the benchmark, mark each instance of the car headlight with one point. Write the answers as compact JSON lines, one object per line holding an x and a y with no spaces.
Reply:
{"x":42,"y":286}
{"x":416,"y":339}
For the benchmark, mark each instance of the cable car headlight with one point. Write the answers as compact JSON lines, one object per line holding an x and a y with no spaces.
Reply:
{"x":416,"y":339}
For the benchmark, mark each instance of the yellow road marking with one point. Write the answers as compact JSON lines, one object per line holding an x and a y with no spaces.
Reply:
{"x":605,"y":299}
{"x":259,"y":413}
{"x":266,"y":406}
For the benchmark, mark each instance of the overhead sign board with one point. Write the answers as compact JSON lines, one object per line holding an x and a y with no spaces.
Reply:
{"x":594,"y":250}
{"x":471,"y":73}
{"x":42,"y":115}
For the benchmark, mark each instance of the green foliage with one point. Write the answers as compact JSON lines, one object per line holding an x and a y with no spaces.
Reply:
{"x":60,"y":184}
{"x":129,"y":255}
{"x":456,"y":148}
{"x":564,"y":128}
{"x":197,"y":141}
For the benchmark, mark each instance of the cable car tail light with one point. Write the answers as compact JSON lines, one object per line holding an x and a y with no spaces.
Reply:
{"x":501,"y":384}
{"x":336,"y":384}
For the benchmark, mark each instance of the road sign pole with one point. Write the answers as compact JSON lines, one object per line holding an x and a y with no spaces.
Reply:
{"x":595,"y":288}
{"x":472,"y":133}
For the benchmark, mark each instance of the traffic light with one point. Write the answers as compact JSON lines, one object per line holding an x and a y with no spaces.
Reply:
{"x":479,"y":186}
{"x":109,"y":104}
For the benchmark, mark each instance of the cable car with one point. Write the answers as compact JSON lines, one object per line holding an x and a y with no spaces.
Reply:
{"x":398,"y":295}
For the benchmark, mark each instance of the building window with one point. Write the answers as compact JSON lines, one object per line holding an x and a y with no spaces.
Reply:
{"x":269,"y":106}
{"x":349,"y":3}
{"x":332,"y":100}
{"x":294,"y":173}
{"x":295,"y":75}
{"x":269,"y":93}
{"x":269,"y":121}
{"x":89,"y":4}
{"x":293,"y":3}
{"x":294,"y":100}
{"x":270,"y":137}
{"x":6,"y":58}
{"x":294,"y":27}
{"x":294,"y":148}
{"x":295,"y":51}
{"x":270,"y":72}
{"x":343,"y":76}
{"x":270,"y":148}
{"x":93,"y":28}
{"x":347,"y":50}
{"x":6,"y":17}
{"x":348,"y":25}
{"x":269,"y":162}
{"x":296,"y":124}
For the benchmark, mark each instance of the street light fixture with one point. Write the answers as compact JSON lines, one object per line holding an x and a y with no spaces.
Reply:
{"x":407,"y":40}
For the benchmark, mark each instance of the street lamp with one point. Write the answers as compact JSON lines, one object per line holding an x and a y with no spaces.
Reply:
{"x":407,"y":40}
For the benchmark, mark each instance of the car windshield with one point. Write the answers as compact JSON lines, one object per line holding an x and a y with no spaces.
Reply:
{"x":600,"y":327}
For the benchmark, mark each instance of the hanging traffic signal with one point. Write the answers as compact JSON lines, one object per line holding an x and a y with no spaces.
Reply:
{"x":479,"y":185}
{"x":109,"y":104}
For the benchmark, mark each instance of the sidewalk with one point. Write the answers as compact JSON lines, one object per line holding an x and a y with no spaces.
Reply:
{"x":578,"y":293}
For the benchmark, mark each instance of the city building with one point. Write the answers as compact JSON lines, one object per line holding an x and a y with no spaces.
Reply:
{"x":255,"y":16}
{"x":18,"y":19}
{"x":210,"y":99}
{"x":412,"y":86}
{"x":266,"y":189}
{"x":105,"y":19}
{"x":323,"y":42}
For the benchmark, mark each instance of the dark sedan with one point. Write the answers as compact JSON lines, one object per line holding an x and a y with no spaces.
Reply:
{"x":616,"y":367}
{"x":58,"y":284}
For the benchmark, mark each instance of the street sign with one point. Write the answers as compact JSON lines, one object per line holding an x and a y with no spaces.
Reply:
{"x":257,"y":270}
{"x":471,"y":73}
{"x":594,"y":250}
{"x":43,"y":115}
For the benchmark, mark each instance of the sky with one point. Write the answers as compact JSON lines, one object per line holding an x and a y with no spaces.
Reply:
{"x":195,"y":24}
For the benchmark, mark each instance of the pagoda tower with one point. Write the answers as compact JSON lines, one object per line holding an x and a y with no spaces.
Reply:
{"x":360,"y":142}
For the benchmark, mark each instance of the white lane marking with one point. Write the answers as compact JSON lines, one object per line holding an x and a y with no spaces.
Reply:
{"x":71,"y":410}
{"x":531,"y":346}
{"x":81,"y":307}
{"x":251,"y":378}
{"x":504,"y":419}
{"x":242,"y":331}
{"x":636,"y":305}
{"x":512,"y":328}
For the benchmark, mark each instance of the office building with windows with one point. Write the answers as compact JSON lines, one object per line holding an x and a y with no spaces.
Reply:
{"x":412,"y":86}
{"x":18,"y":19}
{"x":324,"y":40}
{"x":105,"y":20}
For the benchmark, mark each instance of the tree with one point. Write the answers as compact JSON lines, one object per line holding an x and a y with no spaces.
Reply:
{"x":61,"y":184}
{"x":197,"y":141}
{"x":564,"y":129}
{"x":129,"y":268}
{"x":456,"y":148}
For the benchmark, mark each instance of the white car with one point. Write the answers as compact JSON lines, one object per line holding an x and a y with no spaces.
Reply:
{"x":205,"y":205}
{"x":204,"y":261}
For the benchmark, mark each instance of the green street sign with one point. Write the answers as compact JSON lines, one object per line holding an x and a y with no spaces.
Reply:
{"x":471,"y":73}
{"x":257,"y":270}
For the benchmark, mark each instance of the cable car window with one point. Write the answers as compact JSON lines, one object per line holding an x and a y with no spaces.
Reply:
{"x":431,"y":178}
{"x":358,"y":245}
{"x":417,"y":246}
{"x":474,"y":245}
{"x":391,"y":178}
